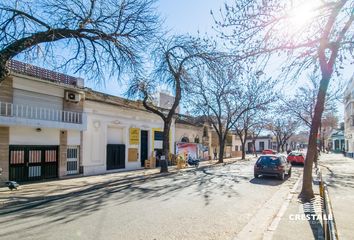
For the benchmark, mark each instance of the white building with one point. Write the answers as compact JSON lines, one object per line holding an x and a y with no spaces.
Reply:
{"x":120,"y":134}
{"x":349,"y":117}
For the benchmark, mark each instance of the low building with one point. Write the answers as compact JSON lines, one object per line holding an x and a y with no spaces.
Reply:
{"x":120,"y":134}
{"x":336,"y":142}
{"x":41,"y":124}
{"x":259,"y":144}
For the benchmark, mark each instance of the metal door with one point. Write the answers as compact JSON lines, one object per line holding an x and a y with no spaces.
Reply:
{"x":115,"y":156}
{"x":30,"y":163}
{"x":143,"y":146}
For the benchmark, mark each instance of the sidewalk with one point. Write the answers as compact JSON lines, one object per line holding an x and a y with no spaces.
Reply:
{"x":338,"y":172}
{"x":291,"y":221}
{"x":49,"y":190}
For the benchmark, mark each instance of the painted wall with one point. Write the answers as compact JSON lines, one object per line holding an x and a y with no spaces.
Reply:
{"x":108,"y":123}
{"x":185,"y":130}
{"x":30,"y":136}
{"x":73,"y":137}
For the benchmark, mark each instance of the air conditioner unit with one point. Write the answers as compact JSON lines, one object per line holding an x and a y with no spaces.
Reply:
{"x":72,"y":96}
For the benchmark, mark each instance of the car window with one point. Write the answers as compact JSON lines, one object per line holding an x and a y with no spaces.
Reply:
{"x":268,"y":160}
{"x":295,"y":154}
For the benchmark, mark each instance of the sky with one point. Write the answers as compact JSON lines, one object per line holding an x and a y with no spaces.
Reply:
{"x":189,"y":16}
{"x":180,"y":17}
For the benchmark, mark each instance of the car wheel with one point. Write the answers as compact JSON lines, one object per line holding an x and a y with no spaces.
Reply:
{"x":256,"y":175}
{"x":282,"y":176}
{"x":289,"y":173}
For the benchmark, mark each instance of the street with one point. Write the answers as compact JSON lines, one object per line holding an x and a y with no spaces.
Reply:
{"x":218,"y":202}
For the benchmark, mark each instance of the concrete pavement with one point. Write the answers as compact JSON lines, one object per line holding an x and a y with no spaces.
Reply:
{"x":46,"y":190}
{"x":220,"y":202}
{"x":338,"y":171}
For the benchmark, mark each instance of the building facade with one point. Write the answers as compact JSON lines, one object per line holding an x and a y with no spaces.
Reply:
{"x":349,"y":117}
{"x":121,"y":134}
{"x":41,"y":124}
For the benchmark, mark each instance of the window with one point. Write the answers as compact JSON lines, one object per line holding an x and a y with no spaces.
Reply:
{"x":205,"y":131}
{"x":236,"y":148}
{"x":261,"y":146}
{"x":158,"y":135}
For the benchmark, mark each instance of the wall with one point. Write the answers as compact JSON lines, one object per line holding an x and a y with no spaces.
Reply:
{"x":4,"y":153}
{"x":29,"y":136}
{"x":267,"y":144}
{"x":190,"y":131}
{"x":108,"y":123}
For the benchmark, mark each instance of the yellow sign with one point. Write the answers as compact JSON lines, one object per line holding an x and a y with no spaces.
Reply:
{"x":134,"y":135}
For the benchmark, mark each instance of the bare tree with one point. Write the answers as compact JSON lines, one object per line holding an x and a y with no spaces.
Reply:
{"x":98,"y":37}
{"x":250,"y":125}
{"x":223,"y":96}
{"x":282,"y":128}
{"x":174,"y":60}
{"x":303,"y":34}
{"x":255,"y":130}
{"x":302,"y":104}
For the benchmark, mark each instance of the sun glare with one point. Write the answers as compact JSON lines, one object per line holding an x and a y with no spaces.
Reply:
{"x":303,"y":12}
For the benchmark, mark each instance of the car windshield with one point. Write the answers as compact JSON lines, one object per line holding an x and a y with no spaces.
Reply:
{"x":295,"y":154}
{"x":268,"y":160}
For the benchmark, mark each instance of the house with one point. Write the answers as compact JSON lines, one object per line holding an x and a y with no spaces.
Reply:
{"x":261,"y":143}
{"x":41,"y":124}
{"x":336,"y":142}
{"x":120,"y":134}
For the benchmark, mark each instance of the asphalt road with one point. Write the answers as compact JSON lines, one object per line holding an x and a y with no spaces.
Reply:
{"x":211,"y":203}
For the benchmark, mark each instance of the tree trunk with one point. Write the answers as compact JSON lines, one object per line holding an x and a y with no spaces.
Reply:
{"x":243,"y":150}
{"x":307,"y":192}
{"x":165,"y":146}
{"x":221,"y":149}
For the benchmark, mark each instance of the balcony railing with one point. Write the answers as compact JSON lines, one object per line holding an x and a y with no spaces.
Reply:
{"x":39,"y":113}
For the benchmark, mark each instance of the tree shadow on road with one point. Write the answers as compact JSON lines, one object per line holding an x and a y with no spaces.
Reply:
{"x":205,"y":182}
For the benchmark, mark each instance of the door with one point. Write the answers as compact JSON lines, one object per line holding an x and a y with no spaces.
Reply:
{"x":249,"y":147}
{"x":30,"y":163}
{"x":115,"y":156}
{"x":72,"y":162}
{"x":143,"y":146}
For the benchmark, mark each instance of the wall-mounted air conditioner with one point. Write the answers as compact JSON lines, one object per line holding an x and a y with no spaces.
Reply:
{"x":72,"y":96}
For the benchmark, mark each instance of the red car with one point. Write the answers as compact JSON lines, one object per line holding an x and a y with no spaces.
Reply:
{"x":296,"y":157}
{"x":268,"y":151}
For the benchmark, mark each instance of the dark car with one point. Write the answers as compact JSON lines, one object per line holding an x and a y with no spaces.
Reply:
{"x":268,"y":151}
{"x":272,"y":165}
{"x":296,"y":157}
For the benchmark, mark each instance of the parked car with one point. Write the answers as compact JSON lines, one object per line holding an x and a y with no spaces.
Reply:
{"x":272,"y":165}
{"x":268,"y":151}
{"x":296,"y":157}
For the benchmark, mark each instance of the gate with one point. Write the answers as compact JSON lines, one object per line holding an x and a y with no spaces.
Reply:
{"x":72,"y":165}
{"x":31,"y":163}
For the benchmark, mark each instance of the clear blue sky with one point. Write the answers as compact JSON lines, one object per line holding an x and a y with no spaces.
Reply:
{"x":189,"y":16}
{"x":181,"y":17}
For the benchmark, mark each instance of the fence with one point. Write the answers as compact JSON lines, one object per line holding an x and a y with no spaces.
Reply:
{"x":42,"y":73}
